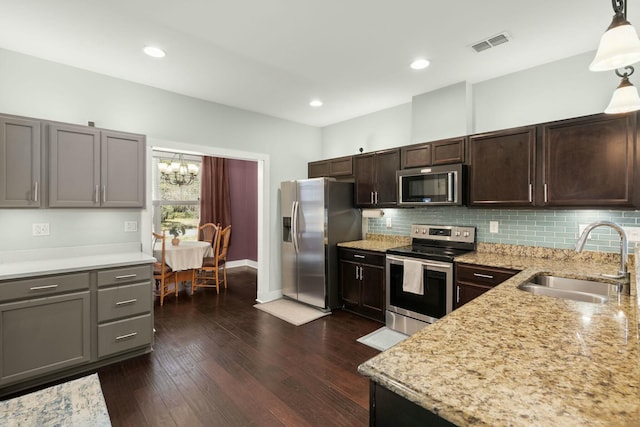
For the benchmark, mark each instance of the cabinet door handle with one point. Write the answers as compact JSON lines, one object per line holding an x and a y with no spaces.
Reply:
{"x":104,"y":194}
{"x":129,"y":301}
{"x":546,"y":193}
{"x":41,"y":288}
{"x":372,"y":198}
{"x":357,"y":278}
{"x":359,"y":256}
{"x":361,"y":274}
{"x":122,"y":337}
{"x":126,"y":276}
{"x":97,"y":194}
{"x":457,"y":294}
{"x":484,"y":276}
{"x":35,"y":192}
{"x":530,"y":193}
{"x":376,"y":197}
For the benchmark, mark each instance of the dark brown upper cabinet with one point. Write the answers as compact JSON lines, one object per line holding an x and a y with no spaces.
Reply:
{"x":442,"y":152}
{"x":338,"y":167}
{"x":589,"y":161}
{"x":502,"y":168}
{"x":375,"y":178}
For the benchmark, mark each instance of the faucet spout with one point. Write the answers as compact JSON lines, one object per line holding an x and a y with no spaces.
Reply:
{"x":623,"y":272}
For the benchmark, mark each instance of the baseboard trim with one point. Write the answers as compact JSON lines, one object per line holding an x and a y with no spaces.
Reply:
{"x":243,"y":263}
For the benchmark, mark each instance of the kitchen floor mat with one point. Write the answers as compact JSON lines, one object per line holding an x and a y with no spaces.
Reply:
{"x":382,"y":339}
{"x":291,"y":311}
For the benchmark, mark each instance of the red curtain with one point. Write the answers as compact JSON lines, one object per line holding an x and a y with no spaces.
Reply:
{"x":215,"y":203}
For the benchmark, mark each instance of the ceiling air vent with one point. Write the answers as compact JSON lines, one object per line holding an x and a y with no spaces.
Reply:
{"x":490,"y":42}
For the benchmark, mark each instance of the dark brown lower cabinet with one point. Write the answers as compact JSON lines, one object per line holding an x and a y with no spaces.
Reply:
{"x":474,"y":280}
{"x":362,"y":282}
{"x":389,"y":409}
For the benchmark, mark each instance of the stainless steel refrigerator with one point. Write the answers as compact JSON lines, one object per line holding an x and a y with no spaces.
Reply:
{"x":316,"y":215}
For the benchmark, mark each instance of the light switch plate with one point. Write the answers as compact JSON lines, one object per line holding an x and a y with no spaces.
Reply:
{"x":633,"y":233}
{"x":494,"y":227}
{"x":130,"y":226}
{"x":389,"y":223}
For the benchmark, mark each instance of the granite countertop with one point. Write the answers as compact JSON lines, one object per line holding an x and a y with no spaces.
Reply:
{"x":40,"y":262}
{"x":377,"y":242}
{"x":513,"y":358}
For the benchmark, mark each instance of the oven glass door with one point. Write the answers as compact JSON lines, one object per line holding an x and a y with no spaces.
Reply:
{"x":435,"y":302}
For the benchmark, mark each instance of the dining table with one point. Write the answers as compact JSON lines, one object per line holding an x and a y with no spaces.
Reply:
{"x":184,"y":257}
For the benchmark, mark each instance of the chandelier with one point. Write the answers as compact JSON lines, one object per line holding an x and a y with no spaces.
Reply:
{"x":178,"y":171}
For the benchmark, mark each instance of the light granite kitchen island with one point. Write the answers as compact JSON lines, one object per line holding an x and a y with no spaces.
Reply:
{"x":517,"y":359}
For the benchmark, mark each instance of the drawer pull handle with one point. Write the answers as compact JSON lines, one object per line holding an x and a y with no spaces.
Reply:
{"x":126,"y":276}
{"x":359,"y":256}
{"x":122,"y":337}
{"x":41,"y":288}
{"x":129,"y":301}
{"x":485,"y":276}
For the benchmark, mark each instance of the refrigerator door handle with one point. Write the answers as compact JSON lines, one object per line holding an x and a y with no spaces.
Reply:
{"x":294,"y":226}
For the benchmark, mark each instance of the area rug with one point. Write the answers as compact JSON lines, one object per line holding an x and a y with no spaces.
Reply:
{"x":382,"y":338}
{"x":291,"y":311}
{"x":74,"y":403}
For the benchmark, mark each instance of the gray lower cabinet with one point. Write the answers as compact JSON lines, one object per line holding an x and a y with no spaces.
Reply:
{"x":89,"y":167}
{"x":20,"y":163}
{"x":43,"y":335}
{"x":55,"y":326}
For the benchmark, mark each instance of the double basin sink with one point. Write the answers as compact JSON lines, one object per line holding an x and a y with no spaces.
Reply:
{"x":573,"y":289}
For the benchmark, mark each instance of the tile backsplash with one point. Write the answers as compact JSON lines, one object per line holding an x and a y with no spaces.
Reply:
{"x":528,"y":227}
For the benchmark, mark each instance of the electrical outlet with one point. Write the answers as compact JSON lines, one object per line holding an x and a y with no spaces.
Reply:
{"x":130,"y":226}
{"x":633,"y":233}
{"x":494,"y":227}
{"x":389,"y":223}
{"x":581,"y":228}
{"x":41,"y":229}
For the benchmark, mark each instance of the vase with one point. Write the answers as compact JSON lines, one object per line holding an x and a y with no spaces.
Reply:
{"x":175,"y":241}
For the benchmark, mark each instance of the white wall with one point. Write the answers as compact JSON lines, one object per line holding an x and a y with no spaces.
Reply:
{"x":383,"y":129}
{"x":441,"y":114}
{"x":42,"y":89}
{"x":557,"y":90}
{"x":553,"y":91}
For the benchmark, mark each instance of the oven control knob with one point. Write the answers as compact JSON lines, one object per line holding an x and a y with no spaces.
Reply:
{"x":416,"y":231}
{"x":466,"y":234}
{"x":424,"y":231}
{"x":457,"y":234}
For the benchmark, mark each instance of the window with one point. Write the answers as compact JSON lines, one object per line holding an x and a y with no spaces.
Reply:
{"x":176,"y":205}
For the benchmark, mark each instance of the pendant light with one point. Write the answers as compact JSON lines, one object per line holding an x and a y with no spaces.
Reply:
{"x":619,"y":45}
{"x":625,"y":98}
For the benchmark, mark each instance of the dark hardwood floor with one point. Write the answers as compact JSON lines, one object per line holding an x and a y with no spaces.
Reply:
{"x":218,"y":361}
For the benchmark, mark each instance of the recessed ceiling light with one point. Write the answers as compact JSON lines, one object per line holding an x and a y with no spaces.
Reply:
{"x":155,"y":52}
{"x":420,"y":64}
{"x":316,"y":103}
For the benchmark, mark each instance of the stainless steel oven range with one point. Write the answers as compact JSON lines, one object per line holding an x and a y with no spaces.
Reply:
{"x":420,"y":276}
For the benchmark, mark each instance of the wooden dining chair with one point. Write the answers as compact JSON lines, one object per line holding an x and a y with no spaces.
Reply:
{"x":208,"y":232}
{"x":208,"y":276}
{"x":162,"y":273}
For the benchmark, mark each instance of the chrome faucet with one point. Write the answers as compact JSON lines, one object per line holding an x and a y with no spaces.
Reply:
{"x":623,"y":272}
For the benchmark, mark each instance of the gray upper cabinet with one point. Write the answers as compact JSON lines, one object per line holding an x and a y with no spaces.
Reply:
{"x":20,"y":151}
{"x":122,"y":170}
{"x":93,"y":168}
{"x":74,"y":166}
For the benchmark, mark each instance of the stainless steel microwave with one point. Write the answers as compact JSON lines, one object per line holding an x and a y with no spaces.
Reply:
{"x":431,"y":185}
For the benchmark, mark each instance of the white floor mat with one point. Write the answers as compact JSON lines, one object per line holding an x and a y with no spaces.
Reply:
{"x":382,"y":338}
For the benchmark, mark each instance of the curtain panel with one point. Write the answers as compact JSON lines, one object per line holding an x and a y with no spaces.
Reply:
{"x":215,"y":202}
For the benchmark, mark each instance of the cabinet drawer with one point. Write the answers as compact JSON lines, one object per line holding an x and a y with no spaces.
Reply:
{"x":124,"y":301}
{"x":43,"y":286}
{"x":364,"y":257}
{"x":490,"y":276}
{"x":117,"y":276}
{"x":123,"y":335}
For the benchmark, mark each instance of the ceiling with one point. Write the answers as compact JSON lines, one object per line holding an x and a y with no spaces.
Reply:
{"x":274,"y":56}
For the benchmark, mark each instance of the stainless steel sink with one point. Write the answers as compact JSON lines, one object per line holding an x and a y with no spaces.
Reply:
{"x":573,"y":289}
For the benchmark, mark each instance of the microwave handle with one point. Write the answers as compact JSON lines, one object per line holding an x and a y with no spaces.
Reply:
{"x":450,"y":179}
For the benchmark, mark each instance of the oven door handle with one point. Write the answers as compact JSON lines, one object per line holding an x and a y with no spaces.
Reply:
{"x":424,"y":262}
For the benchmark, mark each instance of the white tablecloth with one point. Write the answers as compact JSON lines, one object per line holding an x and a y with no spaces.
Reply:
{"x":186,"y":256}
